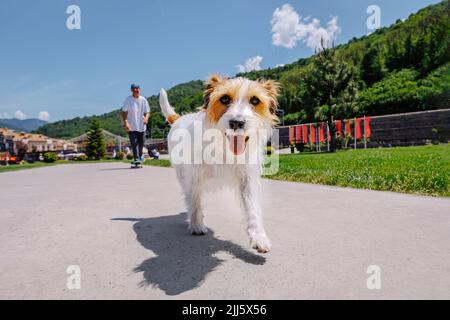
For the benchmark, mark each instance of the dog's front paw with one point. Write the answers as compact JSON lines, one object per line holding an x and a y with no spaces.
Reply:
{"x":260,"y":242}
{"x":198,"y":229}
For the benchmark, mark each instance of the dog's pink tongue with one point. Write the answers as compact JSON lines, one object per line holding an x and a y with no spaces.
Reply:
{"x":237,"y":144}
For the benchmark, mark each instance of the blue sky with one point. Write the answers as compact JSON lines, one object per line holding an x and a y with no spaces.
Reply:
{"x":58,"y":73}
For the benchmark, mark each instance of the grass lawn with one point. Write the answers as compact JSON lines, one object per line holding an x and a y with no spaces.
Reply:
{"x":419,"y":170}
{"x":43,"y":164}
{"x":25,"y":166}
{"x":158,"y":163}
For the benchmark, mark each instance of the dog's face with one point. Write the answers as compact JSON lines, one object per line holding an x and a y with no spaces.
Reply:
{"x":239,"y":106}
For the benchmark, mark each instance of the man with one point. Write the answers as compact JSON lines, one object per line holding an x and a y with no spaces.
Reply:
{"x":135,"y":114}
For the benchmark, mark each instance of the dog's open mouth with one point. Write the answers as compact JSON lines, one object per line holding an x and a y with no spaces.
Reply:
{"x":237,"y":143}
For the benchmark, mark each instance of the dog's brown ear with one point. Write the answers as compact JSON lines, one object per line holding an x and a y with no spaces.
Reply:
{"x":210,"y":85}
{"x":273,"y":89}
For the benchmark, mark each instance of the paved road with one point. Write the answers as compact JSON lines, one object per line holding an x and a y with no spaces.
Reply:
{"x":123,"y":228}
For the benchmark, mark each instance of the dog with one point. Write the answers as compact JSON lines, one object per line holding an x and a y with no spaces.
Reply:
{"x":235,"y":110}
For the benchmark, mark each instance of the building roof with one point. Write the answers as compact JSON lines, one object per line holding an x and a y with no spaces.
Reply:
{"x":109,"y":137}
{"x":7,"y":132}
{"x":32,"y":137}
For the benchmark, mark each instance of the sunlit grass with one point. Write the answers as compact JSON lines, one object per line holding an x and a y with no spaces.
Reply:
{"x":158,"y":163}
{"x":421,"y":170}
{"x":25,"y":166}
{"x":39,"y":164}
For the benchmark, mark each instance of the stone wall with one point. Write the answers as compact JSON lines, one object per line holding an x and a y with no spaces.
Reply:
{"x":406,"y":129}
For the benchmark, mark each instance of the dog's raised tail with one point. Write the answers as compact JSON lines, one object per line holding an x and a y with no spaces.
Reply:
{"x":166,"y":108}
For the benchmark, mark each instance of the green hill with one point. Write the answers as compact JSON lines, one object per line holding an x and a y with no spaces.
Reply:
{"x":401,"y":68}
{"x":26,"y":125}
{"x":184,"y":97}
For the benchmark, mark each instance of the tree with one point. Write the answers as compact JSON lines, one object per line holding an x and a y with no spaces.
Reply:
{"x":408,"y":55}
{"x":419,"y":57}
{"x":331,"y":83}
{"x":96,"y":146}
{"x":293,"y":91}
{"x":438,"y":46}
{"x":22,"y":149}
{"x":394,"y":56}
{"x":372,"y":66}
{"x":399,"y":92}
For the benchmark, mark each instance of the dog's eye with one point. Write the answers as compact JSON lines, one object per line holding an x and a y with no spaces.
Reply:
{"x":254,"y":101}
{"x":225,"y":100}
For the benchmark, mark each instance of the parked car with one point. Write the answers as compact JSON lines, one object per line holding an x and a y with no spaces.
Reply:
{"x":70,"y":156}
{"x":6,"y":158}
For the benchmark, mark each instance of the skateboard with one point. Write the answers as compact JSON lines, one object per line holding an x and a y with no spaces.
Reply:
{"x":136,"y":165}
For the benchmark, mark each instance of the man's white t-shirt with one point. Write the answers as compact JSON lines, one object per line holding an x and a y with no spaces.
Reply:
{"x":136,"y":108}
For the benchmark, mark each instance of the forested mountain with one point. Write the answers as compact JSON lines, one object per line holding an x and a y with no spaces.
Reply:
{"x":401,"y":68}
{"x":26,"y":125}
{"x":184,"y":97}
{"x":404,"y":67}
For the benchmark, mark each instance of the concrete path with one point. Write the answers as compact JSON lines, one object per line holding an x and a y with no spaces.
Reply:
{"x":124,"y":230}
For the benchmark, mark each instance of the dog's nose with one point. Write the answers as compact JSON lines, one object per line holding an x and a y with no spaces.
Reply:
{"x":237,"y":124}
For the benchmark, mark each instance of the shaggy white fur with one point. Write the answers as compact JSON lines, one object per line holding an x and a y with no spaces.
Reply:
{"x":227,"y":151}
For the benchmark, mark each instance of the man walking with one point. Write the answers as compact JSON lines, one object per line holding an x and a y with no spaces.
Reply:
{"x":135,"y":114}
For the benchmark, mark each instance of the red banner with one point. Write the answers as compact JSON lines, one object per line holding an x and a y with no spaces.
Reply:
{"x":291,"y":134}
{"x":298,"y":134}
{"x":313,"y":133}
{"x":321,"y":133}
{"x":358,"y":128}
{"x":338,"y":128}
{"x":305,"y":134}
{"x":367,"y":130}
{"x":362,"y":126}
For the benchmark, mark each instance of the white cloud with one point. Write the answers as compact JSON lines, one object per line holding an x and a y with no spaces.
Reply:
{"x":252,"y":64}
{"x":279,"y":65}
{"x":44,"y":115}
{"x":288,"y":28}
{"x":20,"y":115}
{"x":4,"y":115}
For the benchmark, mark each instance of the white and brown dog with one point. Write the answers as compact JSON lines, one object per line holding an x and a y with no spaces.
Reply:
{"x":234,"y":114}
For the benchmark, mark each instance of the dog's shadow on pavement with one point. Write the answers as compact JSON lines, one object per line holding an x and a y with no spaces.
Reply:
{"x":182,"y":261}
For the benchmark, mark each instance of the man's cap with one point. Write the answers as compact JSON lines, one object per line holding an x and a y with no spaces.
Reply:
{"x":135,"y":86}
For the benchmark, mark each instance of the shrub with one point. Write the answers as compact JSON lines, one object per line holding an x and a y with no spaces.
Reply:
{"x":129,"y":156}
{"x":120,"y":155}
{"x":295,"y":118}
{"x":401,"y":92}
{"x":50,"y":157}
{"x":81,"y":158}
